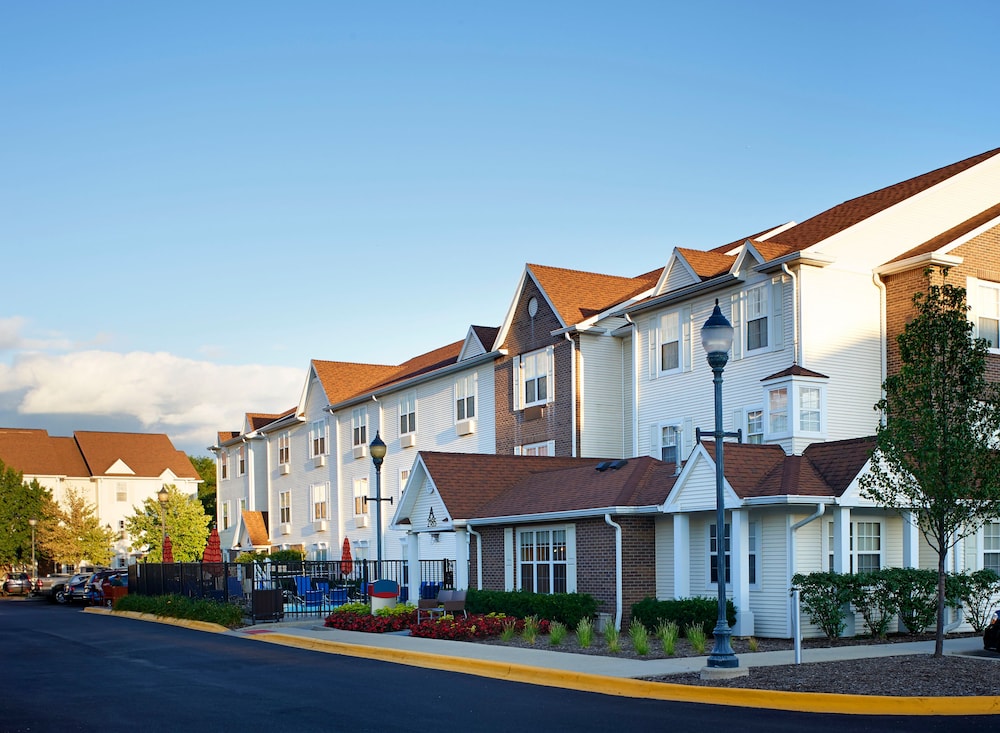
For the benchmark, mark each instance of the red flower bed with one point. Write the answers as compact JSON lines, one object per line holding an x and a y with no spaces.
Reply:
{"x":369,"y":623}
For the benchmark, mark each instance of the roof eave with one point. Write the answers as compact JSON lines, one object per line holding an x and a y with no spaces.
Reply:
{"x":557,"y":516}
{"x":802,"y":257}
{"x":716,"y":283}
{"x":924,"y":260}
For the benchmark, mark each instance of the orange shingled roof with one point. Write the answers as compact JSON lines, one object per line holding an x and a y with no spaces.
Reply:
{"x":577,"y":295}
{"x":342,"y":380}
{"x":849,"y":213}
{"x":256,"y":524}
{"x":706,"y":264}
{"x":147,"y":454}
{"x":35,"y":453}
{"x":946,"y":238}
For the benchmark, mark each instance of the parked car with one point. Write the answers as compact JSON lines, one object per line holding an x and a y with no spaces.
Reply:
{"x":19,"y":583}
{"x":52,"y":587}
{"x":95,"y":584}
{"x":991,"y":637}
{"x":77,"y":587}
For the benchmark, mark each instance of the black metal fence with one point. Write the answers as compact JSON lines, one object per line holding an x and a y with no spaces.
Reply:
{"x":271,"y":591}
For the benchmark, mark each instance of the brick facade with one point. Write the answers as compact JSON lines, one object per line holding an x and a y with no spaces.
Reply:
{"x":553,"y":421}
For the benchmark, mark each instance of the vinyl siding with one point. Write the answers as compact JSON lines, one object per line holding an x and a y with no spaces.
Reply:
{"x":601,"y":417}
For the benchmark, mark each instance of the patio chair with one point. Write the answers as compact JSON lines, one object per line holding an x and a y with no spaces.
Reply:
{"x":447,"y":602}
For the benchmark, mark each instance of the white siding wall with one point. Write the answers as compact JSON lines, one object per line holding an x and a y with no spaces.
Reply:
{"x":603,"y":413}
{"x":664,"y":550}
{"x":769,"y":601}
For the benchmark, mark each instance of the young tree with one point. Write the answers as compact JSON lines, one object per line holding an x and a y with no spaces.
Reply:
{"x":185,"y":522}
{"x":73,"y":534}
{"x":935,"y":454}
{"x":19,"y":502}
{"x":205,"y":466}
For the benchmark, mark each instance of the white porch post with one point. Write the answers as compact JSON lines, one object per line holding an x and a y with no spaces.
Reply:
{"x":841,"y":540}
{"x":682,"y":556}
{"x":413,"y":560}
{"x":461,"y":558}
{"x":739,"y":571}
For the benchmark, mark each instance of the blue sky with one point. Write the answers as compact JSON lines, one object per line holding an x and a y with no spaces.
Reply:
{"x":198,"y":198}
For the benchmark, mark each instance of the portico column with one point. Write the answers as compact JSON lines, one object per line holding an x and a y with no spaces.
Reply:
{"x":461,"y":558}
{"x":413,"y":561}
{"x":739,"y":571}
{"x":682,"y":556}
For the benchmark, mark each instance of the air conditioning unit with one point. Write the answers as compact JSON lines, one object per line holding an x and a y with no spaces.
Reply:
{"x":408,"y":440}
{"x":320,"y":525}
{"x":286,"y":528}
{"x":285,"y":469}
{"x":360,"y":451}
{"x":319,"y":461}
{"x":465,"y":427}
{"x":361,"y":521}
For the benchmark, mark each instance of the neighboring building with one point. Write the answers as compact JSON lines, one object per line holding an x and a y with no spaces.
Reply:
{"x":114,"y":472}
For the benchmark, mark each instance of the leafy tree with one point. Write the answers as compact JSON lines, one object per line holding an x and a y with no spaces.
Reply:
{"x":186,"y":523}
{"x":73,"y":533}
{"x":19,"y":502}
{"x":205,"y":466}
{"x":935,"y":447}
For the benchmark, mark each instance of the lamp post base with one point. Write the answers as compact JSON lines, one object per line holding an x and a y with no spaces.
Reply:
{"x":722,"y":655}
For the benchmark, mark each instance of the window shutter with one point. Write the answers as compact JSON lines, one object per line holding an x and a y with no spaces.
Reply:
{"x":651,"y":347}
{"x":777,"y":314}
{"x":687,"y":358}
{"x":508,"y":558}
{"x":517,"y":450}
{"x":654,"y":441}
{"x":550,"y":446}
{"x":738,"y":422}
{"x":550,"y":372}
{"x":515,"y":364}
{"x":734,"y":319}
{"x":687,"y":439}
{"x":571,"y":558}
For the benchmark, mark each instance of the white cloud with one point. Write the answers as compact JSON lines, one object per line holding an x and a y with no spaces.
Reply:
{"x":188,"y":400}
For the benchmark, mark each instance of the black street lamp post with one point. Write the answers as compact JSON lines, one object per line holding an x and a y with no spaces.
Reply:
{"x":161,"y":496}
{"x":717,"y":339}
{"x":377,"y":449}
{"x":34,"y":566}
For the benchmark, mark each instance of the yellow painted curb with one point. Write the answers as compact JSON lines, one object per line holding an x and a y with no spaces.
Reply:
{"x":807,"y":702}
{"x":186,"y":623}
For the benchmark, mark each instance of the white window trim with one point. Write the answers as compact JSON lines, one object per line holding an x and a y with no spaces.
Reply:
{"x":774,"y":295}
{"x":226,"y":516}
{"x":972,"y":286}
{"x":319,"y":494}
{"x":359,"y":491}
{"x":466,"y":387}
{"x":741,"y":421}
{"x":359,"y":423}
{"x":407,"y":407}
{"x":224,"y":465}
{"x":520,"y":402}
{"x":710,"y":555}
{"x":684,"y":428}
{"x":515,"y":548}
{"x":285,"y":507}
{"x":655,"y":342}
{"x":241,"y":461}
{"x":284,"y":447}
{"x":315,"y":427}
{"x":794,"y":407}
{"x":981,"y":542}
{"x":856,"y":553}
{"x":525,"y":450}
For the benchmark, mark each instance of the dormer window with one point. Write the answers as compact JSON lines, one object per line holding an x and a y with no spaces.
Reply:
{"x":795,"y":405}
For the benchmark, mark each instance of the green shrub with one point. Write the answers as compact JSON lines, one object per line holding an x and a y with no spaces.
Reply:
{"x":979,"y":592}
{"x":914,"y":595}
{"x":177,"y":606}
{"x":530,"y":631}
{"x":612,"y":639}
{"x":585,"y":633}
{"x":667,"y":632}
{"x":640,"y":637}
{"x":683,"y":612}
{"x":872,"y":596}
{"x":697,"y":637}
{"x":400,"y":609}
{"x":824,"y":597}
{"x":567,"y":608}
{"x":557,"y":632}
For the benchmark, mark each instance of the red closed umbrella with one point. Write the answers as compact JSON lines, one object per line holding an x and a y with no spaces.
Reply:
{"x":346,"y":561}
{"x":213,"y":550}
{"x":168,"y":550}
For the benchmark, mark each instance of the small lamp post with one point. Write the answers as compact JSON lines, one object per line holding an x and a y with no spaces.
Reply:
{"x":717,"y":339}
{"x":377,"y":449}
{"x":161,"y":496}
{"x":34,"y":565}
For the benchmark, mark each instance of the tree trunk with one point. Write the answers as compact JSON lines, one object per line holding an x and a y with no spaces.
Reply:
{"x":939,"y":627}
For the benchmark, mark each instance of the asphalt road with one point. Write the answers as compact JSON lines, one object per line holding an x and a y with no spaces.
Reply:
{"x":64,"y":670}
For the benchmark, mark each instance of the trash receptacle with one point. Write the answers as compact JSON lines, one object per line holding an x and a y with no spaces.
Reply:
{"x":384,"y":594}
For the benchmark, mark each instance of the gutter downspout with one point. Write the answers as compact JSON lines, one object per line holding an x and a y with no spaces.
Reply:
{"x":635,"y":385}
{"x":479,"y":556}
{"x":572,"y":372}
{"x":618,"y":570}
{"x":797,"y":630}
{"x":797,"y":346}
{"x":883,"y":335}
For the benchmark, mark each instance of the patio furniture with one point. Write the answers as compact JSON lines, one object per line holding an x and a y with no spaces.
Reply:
{"x":447,"y":602}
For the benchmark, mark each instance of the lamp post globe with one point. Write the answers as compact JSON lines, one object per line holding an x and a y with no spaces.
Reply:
{"x":717,"y":339}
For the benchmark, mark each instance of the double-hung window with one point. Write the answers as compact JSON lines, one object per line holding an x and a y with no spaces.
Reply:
{"x":121,"y":491}
{"x":408,"y":413}
{"x":359,"y":427}
{"x":795,"y":406}
{"x":809,"y":409}
{"x":991,"y":546}
{"x":533,"y":375}
{"x":777,"y":411}
{"x":224,"y":464}
{"x":756,"y":317}
{"x":465,"y":397}
{"x":867,"y":550}
{"x":670,"y":342}
{"x":360,"y":492}
{"x":241,"y":460}
{"x":670,"y":443}
{"x":285,"y":507}
{"x":713,"y":554}
{"x":542,"y":560}
{"x":984,"y":302}
{"x":548,"y":448}
{"x":318,"y":438}
{"x":225,"y":515}
{"x":754,"y":429}
{"x":284,"y":448}
{"x":319,"y":501}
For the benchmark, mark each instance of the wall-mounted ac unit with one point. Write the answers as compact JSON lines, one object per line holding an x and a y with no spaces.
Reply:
{"x":408,"y":440}
{"x":361,"y":521}
{"x":320,"y":525}
{"x":465,"y":427}
{"x":319,"y":461}
{"x":360,"y":451}
{"x":285,"y":469}
{"x":286,"y":528}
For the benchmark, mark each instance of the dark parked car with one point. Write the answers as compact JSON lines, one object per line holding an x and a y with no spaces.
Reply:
{"x":991,"y":637}
{"x":77,"y":587}
{"x":19,"y":583}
